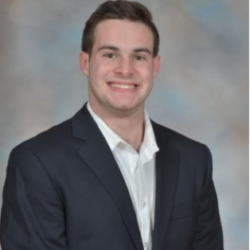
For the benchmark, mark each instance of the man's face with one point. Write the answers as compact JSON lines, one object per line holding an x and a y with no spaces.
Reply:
{"x":121,"y":67}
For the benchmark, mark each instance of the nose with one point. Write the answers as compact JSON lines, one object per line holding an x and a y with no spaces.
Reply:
{"x":124,"y":67}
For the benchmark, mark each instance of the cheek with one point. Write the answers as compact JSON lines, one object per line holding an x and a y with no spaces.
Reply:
{"x":99,"y":73}
{"x":146,"y":73}
{"x":100,"y":70}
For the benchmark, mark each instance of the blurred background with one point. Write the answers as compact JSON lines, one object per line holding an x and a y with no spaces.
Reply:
{"x":201,"y":91}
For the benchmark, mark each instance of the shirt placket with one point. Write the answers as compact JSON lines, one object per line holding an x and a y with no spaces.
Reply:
{"x":144,"y":208}
{"x":141,"y":202}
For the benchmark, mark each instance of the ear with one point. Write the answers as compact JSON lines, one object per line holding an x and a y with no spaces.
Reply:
{"x":156,"y":63}
{"x":84,"y":63}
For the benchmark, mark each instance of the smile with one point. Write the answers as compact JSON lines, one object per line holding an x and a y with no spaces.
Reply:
{"x":122,"y":86}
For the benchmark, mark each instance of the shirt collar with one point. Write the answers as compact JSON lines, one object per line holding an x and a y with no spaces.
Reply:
{"x":111,"y":137}
{"x":149,"y":143}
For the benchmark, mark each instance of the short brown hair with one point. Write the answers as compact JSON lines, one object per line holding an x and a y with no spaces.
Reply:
{"x":122,"y":10}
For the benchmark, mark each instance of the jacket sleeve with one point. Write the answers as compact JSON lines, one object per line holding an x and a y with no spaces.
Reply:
{"x":209,"y":231}
{"x":32,"y":212}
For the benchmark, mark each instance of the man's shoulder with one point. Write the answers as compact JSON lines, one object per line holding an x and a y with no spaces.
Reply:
{"x":177,"y":140}
{"x":49,"y":141}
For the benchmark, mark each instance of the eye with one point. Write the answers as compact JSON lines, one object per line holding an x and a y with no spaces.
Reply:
{"x":140,"y":58}
{"x":110,"y":55}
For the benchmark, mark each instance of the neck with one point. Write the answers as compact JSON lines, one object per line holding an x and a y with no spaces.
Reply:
{"x":129,"y":125}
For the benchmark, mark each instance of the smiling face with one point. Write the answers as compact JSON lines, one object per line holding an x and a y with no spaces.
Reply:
{"x":121,"y":68}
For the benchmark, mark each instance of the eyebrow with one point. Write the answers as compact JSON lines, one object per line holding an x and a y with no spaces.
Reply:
{"x":109,"y":47}
{"x":142,"y":50}
{"x":136,"y":50}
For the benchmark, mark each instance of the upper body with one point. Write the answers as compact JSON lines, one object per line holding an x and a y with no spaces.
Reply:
{"x":68,"y":189}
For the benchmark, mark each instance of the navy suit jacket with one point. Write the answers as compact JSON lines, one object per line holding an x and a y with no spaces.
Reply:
{"x":64,"y":191}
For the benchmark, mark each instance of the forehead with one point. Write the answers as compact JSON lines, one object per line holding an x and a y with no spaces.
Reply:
{"x":123,"y":34}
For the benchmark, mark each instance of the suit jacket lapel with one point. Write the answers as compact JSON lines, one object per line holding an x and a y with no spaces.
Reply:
{"x":98,"y":156}
{"x":167,"y":166}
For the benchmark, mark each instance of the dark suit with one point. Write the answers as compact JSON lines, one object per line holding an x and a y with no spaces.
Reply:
{"x":64,"y":190}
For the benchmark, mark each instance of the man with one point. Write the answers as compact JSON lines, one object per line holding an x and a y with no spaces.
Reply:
{"x":109,"y":178}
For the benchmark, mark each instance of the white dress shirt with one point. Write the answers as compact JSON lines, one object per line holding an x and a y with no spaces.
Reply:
{"x":138,"y":170}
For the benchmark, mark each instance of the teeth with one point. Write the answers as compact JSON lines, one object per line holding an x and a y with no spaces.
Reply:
{"x":119,"y":86}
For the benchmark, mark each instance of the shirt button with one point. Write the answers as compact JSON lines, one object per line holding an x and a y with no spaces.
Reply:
{"x":145,"y":244}
{"x":133,"y":165}
{"x":144,"y":204}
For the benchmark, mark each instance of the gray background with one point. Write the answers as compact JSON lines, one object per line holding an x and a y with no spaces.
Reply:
{"x":201,"y":90}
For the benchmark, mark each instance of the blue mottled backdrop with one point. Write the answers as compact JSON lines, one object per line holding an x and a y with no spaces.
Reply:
{"x":201,"y":91}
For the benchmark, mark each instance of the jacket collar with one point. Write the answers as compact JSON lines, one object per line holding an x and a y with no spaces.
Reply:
{"x":83,"y":124}
{"x":167,"y":170}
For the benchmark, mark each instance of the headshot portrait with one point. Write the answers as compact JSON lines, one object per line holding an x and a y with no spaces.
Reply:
{"x":124,"y":125}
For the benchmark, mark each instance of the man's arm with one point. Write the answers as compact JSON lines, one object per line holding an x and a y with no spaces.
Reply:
{"x":32,"y":214}
{"x":209,"y":231}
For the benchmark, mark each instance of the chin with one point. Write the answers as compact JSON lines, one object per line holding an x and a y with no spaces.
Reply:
{"x":126,"y":107}
{"x":123,"y":108}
